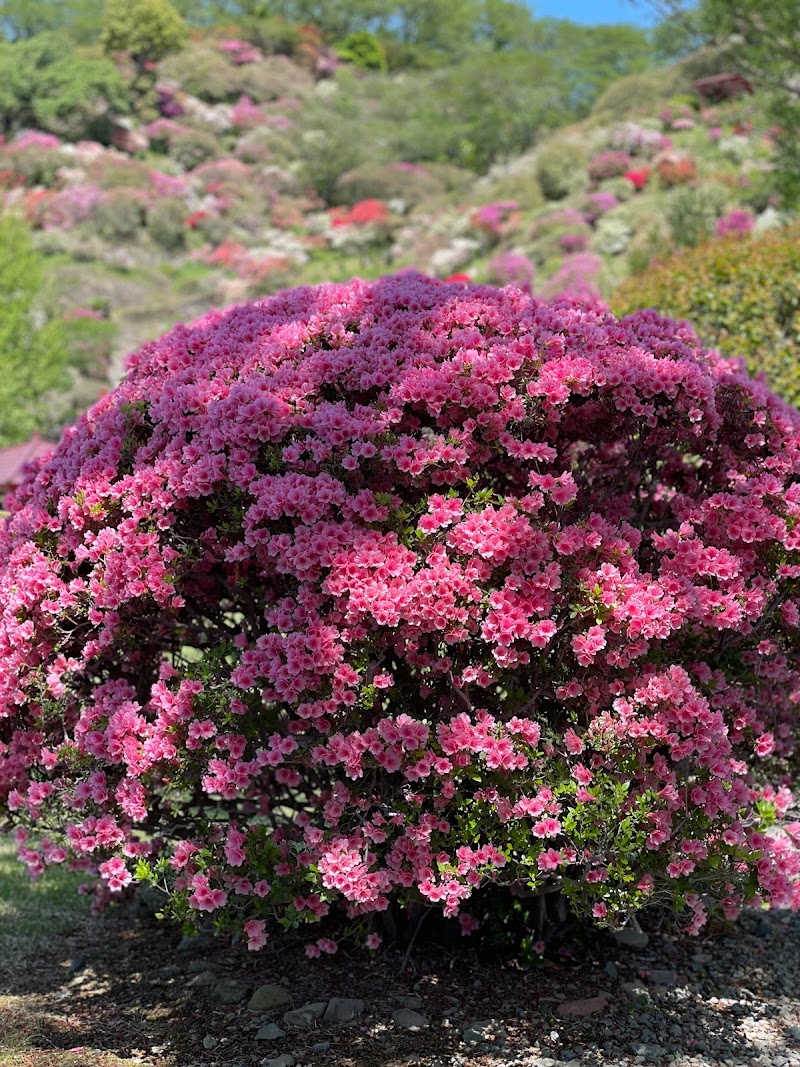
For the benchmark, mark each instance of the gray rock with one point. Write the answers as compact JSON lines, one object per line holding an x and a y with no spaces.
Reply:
{"x":571,"y":1009}
{"x":197,"y":966}
{"x":206,"y":978}
{"x":229,"y":991}
{"x":210,"y":1042}
{"x":305,"y":1017}
{"x":408,"y":1019}
{"x":321,"y":1046}
{"x":270,"y":1032}
{"x":631,"y":938}
{"x":635,"y":992}
{"x":267,"y":997}
{"x":410,"y":1001}
{"x":191,"y":943}
{"x":481,"y":1030}
{"x":342,"y":1010}
{"x":286,"y":1060}
{"x":668,"y":978}
{"x":611,"y":969}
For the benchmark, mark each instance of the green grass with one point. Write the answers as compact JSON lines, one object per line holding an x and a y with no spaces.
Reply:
{"x":32,"y":916}
{"x":30,"y":911}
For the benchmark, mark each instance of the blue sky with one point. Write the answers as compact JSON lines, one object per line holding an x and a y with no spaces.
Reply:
{"x":594,"y":11}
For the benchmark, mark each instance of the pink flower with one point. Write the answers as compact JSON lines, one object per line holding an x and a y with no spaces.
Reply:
{"x":256,"y":934}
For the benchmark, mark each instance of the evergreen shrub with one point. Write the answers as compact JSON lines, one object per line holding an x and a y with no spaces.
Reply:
{"x":740,"y":294}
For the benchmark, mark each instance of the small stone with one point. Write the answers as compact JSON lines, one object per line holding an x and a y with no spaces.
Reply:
{"x":667,"y":978}
{"x":197,"y":966}
{"x":267,"y":997}
{"x":408,"y":1019}
{"x":229,"y":991}
{"x":286,"y":1060}
{"x":631,"y":938}
{"x":305,"y":1017}
{"x":321,"y":1046}
{"x":270,"y":1032}
{"x":480,"y":1031}
{"x":190,"y":943}
{"x":636,"y":992}
{"x":210,"y":1042}
{"x":410,"y":1001}
{"x":611,"y":969}
{"x":206,"y":978}
{"x":342,"y":1010}
{"x":581,"y":1008}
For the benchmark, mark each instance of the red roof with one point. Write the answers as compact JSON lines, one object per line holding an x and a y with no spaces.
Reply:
{"x":13,"y":460}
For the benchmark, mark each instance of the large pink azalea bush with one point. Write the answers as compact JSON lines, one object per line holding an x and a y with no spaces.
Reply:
{"x":389,"y":590}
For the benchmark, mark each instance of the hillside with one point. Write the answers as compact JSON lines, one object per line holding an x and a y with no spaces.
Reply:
{"x":248,"y":164}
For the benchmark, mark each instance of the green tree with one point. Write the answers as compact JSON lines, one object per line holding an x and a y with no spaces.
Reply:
{"x":21,"y":19}
{"x":33,"y":352}
{"x":678,"y":34}
{"x":147,"y":30}
{"x":44,"y":83}
{"x":762,"y":41}
{"x":587,"y":59}
{"x":505,"y":24}
{"x":363,"y":50}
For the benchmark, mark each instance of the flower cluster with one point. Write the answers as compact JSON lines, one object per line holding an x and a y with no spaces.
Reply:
{"x":609,"y":164}
{"x":638,"y":178}
{"x":674,"y":171}
{"x":738,"y":222}
{"x":369,"y":212}
{"x":391,"y":590}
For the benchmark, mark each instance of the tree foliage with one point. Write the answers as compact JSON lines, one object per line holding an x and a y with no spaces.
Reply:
{"x":44,"y":83}
{"x":147,"y":30}
{"x":21,"y":19}
{"x":762,"y":40}
{"x":33,"y":348}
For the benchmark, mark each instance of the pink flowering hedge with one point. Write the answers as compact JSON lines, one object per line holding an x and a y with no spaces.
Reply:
{"x":392,"y":590}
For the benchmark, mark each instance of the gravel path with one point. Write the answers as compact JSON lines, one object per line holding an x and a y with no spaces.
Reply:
{"x":142,"y":992}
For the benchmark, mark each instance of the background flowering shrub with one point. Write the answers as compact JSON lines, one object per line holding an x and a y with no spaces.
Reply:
{"x":735,"y":222}
{"x":740,"y":295}
{"x":609,"y":164}
{"x":395,"y":589}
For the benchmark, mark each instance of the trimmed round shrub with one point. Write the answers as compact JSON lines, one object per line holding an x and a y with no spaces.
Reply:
{"x":193,"y":147}
{"x":204,"y":72}
{"x":166,"y":223}
{"x":672,"y":172}
{"x":740,"y":295}
{"x":692,"y":212}
{"x":410,"y":182}
{"x":612,"y":235}
{"x":119,"y":215}
{"x":560,"y":169}
{"x":393,"y":590}
{"x":274,"y":78}
{"x":609,"y":164}
{"x":31,"y":164}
